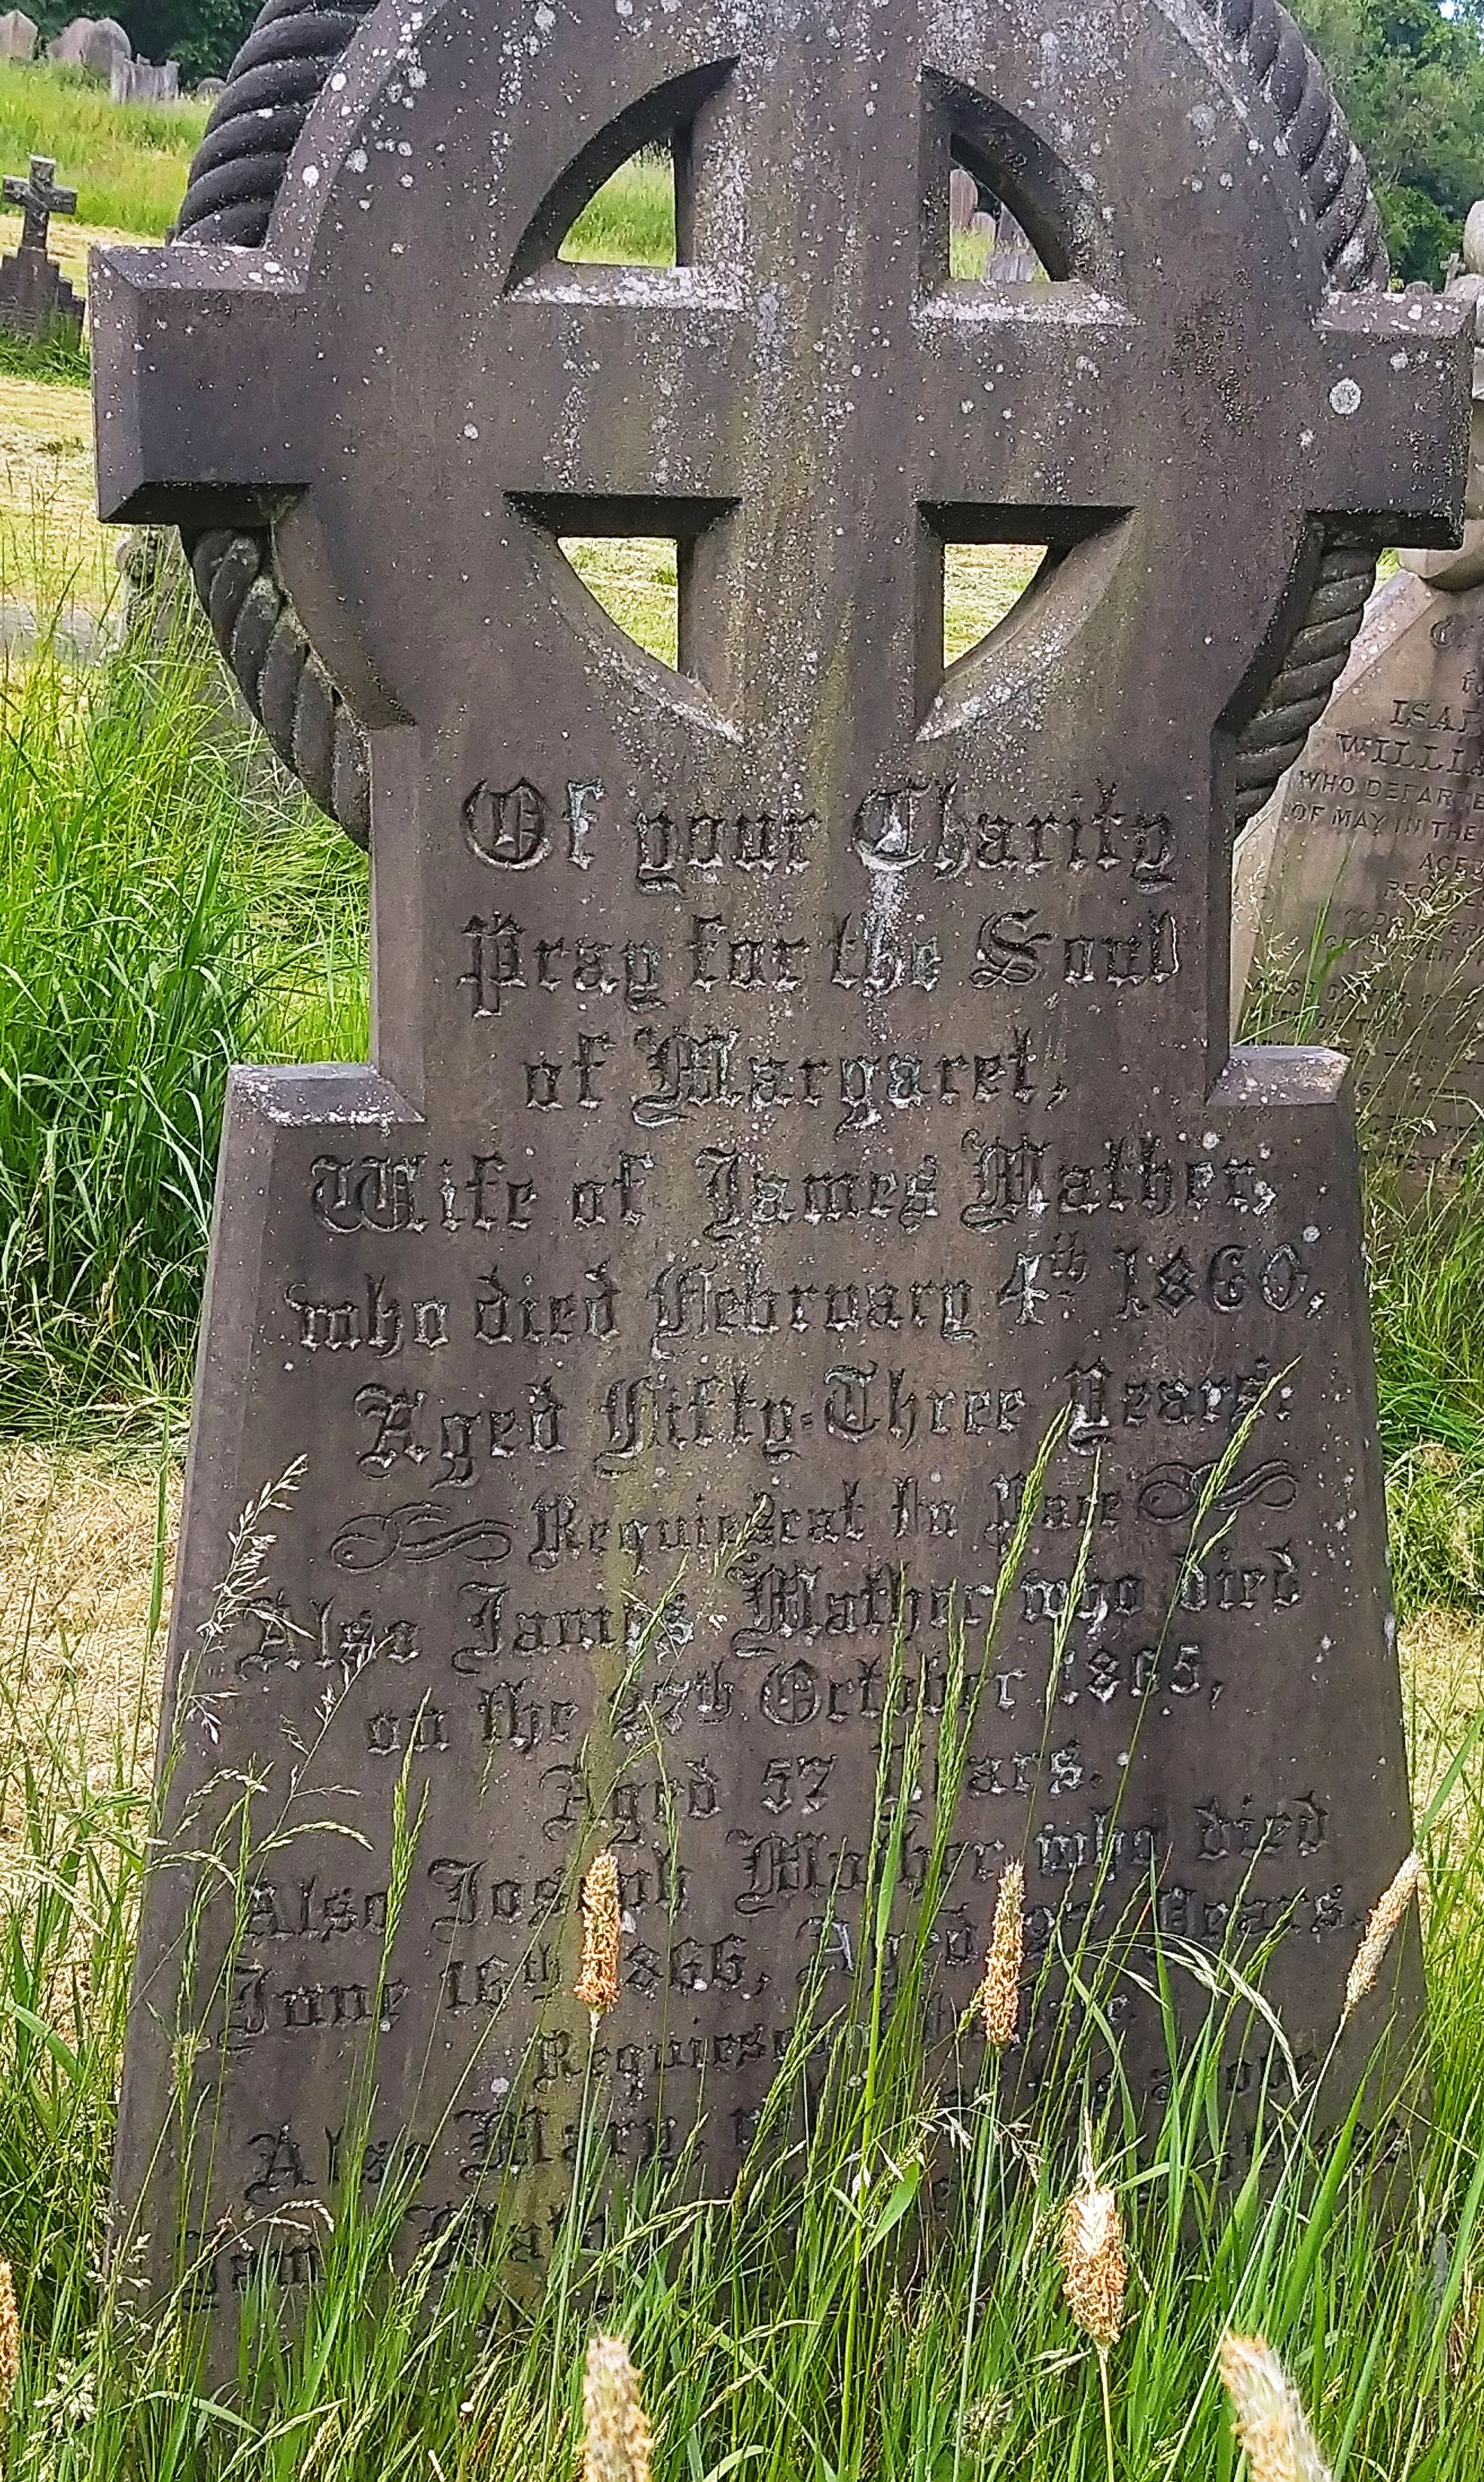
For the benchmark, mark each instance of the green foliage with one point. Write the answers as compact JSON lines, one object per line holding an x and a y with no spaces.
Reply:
{"x":166,"y":907}
{"x":630,"y":220}
{"x":127,"y":161}
{"x":53,"y":359}
{"x":1411,"y":80}
{"x":1424,"y":1244}
{"x":1428,"y":1265}
{"x":203,"y":36}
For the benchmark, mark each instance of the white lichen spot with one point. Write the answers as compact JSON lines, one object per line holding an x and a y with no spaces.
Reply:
{"x":310,"y":176}
{"x":1346,"y":396}
{"x":471,"y":431}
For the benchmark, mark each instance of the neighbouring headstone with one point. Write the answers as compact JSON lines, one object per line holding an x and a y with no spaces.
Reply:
{"x":210,"y":87}
{"x":35,"y":297}
{"x":135,"y":81}
{"x":800,"y":1083}
{"x":1372,"y":849}
{"x":17,"y":36}
{"x":92,"y":44}
{"x":966,"y":212}
{"x":67,"y":47}
{"x":1014,"y":259}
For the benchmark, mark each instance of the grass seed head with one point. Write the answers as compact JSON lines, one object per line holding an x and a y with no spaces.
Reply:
{"x":1385,"y":1922}
{"x":1094,"y":2270}
{"x":997,"y":1999}
{"x":598,"y":1983}
{"x":1269,"y":2418}
{"x":616,"y":2442}
{"x":10,"y":2336}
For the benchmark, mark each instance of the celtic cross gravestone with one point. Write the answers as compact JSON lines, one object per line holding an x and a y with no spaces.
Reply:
{"x":800,"y":1079}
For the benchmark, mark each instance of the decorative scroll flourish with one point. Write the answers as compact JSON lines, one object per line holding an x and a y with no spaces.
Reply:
{"x":422,"y":1530}
{"x":235,"y":179}
{"x":1172,"y":1492}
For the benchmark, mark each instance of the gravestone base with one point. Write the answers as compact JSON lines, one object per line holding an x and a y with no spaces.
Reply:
{"x":36,"y":300}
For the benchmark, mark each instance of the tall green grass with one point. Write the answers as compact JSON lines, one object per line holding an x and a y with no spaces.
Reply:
{"x":127,"y":162}
{"x":1427,"y":1288}
{"x":630,"y":220}
{"x":1424,"y":1239}
{"x":877,"y":2300}
{"x":168,"y":905}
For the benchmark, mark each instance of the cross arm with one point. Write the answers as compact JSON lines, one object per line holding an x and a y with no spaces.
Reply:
{"x":1025,"y":397}
{"x":626,"y":383}
{"x":199,"y":390}
{"x":21,"y":192}
{"x":1380,"y":449}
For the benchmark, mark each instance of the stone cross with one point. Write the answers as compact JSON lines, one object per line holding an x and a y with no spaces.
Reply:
{"x":800,"y":1084}
{"x":40,"y":198}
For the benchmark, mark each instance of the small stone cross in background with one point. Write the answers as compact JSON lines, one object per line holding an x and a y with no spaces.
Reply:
{"x":40,"y":198}
{"x":35,"y":299}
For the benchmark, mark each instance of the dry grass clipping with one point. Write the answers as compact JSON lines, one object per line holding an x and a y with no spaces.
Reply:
{"x":77,"y":1573}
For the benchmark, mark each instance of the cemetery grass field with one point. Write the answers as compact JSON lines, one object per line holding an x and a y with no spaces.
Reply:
{"x":881,"y":2301}
{"x":127,"y":162}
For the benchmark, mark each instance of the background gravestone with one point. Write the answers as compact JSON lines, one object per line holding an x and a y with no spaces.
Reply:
{"x":966,"y":215}
{"x":17,"y":36}
{"x":92,"y":44}
{"x":1374,"y":840}
{"x":134,"y":81}
{"x":1014,"y":261}
{"x":35,"y":297}
{"x":800,"y":1079}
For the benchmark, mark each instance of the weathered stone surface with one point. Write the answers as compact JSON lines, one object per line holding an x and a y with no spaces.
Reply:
{"x":1374,"y":841}
{"x":35,"y":297}
{"x":67,"y":47}
{"x":1014,"y":260}
{"x":800,"y":1080}
{"x":143,"y":81}
{"x":17,"y":36}
{"x":92,"y":44}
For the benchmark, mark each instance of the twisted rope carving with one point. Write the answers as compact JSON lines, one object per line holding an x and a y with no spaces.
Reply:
{"x":234,"y":181}
{"x":1348,"y":227}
